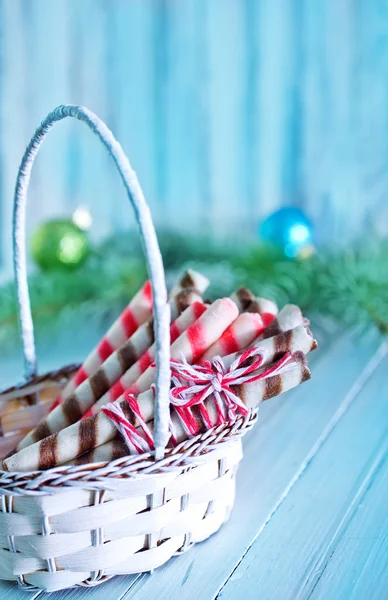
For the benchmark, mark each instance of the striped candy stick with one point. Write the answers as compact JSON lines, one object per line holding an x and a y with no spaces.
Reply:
{"x":90,"y":390}
{"x":298,"y":339}
{"x":83,"y":436}
{"x":267,"y":308}
{"x":243,"y":297}
{"x":289,"y":317}
{"x":181,"y":323}
{"x":248,"y":326}
{"x":136,"y":313}
{"x":74,"y":440}
{"x":193,"y":342}
{"x":236,"y":337}
{"x":190,"y":279}
{"x":248,"y":302}
{"x":116,"y":448}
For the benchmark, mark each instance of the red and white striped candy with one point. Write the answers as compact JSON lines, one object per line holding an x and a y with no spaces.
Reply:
{"x":189,"y":316}
{"x":196,"y":339}
{"x":236,"y":337}
{"x":264,"y":307}
{"x":136,"y":313}
{"x":289,"y":317}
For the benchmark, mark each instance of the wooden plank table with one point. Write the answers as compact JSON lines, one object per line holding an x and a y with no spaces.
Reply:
{"x":311,"y":518}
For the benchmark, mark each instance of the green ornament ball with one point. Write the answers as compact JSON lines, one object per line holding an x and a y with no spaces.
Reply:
{"x":59,"y":244}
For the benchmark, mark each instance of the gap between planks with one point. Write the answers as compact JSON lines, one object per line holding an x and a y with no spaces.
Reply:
{"x":343,"y":407}
{"x":372,"y":473}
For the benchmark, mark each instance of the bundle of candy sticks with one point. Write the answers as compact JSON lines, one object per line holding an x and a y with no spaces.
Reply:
{"x":227,"y":357}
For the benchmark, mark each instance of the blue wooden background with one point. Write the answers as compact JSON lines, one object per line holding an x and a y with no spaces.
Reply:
{"x":228,"y":109}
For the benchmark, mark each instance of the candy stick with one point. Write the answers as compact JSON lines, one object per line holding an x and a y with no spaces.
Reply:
{"x":75,"y":440}
{"x":289,"y":317}
{"x":267,"y":308}
{"x":136,"y":313}
{"x":192,"y":343}
{"x":90,"y":390}
{"x":83,"y":436}
{"x":243,"y":297}
{"x":298,"y":339}
{"x":189,"y":316}
{"x":236,"y":337}
{"x":116,"y":448}
{"x":248,"y":302}
{"x":190,"y":279}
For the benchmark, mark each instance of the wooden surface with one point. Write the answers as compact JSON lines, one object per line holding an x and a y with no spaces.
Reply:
{"x":311,"y":517}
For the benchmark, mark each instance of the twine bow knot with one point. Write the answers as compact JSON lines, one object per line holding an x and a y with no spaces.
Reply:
{"x":191,"y":386}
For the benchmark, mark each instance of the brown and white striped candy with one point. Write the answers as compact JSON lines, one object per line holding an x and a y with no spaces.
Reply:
{"x":298,"y":339}
{"x":116,"y":448}
{"x":64,"y":445}
{"x":236,"y":337}
{"x":265,"y":307}
{"x":89,"y":391}
{"x":243,"y":297}
{"x":181,"y":323}
{"x":247,"y":302}
{"x":192,"y":343}
{"x":76,"y":439}
{"x":190,"y":279}
{"x":289,"y":317}
{"x":294,"y":373}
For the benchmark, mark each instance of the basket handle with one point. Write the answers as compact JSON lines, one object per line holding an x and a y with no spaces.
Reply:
{"x":150,"y":244}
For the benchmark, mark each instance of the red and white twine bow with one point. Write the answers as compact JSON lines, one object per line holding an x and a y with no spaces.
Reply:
{"x":136,"y":442}
{"x":192,"y":385}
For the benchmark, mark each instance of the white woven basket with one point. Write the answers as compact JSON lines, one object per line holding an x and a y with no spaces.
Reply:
{"x":80,"y":525}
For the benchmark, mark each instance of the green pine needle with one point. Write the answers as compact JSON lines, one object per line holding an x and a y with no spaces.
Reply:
{"x":351,"y":286}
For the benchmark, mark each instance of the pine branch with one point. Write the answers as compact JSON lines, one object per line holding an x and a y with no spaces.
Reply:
{"x":351,"y":286}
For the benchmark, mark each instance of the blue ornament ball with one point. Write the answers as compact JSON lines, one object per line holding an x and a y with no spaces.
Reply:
{"x":289,"y":229}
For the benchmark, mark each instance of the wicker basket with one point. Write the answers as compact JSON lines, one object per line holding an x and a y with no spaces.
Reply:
{"x":80,"y":525}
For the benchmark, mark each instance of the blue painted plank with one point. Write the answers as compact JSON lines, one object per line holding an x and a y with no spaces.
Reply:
{"x":10,"y":591}
{"x":12,"y":130}
{"x":276,"y":55}
{"x":274,"y":456}
{"x":290,"y":553}
{"x":357,"y":568}
{"x":94,"y":171}
{"x":113,"y":589}
{"x":46,"y":62}
{"x":180,"y":112}
{"x":134,"y":98}
{"x":226,"y":53}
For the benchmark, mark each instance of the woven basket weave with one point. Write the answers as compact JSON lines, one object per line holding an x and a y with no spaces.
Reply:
{"x":80,"y":525}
